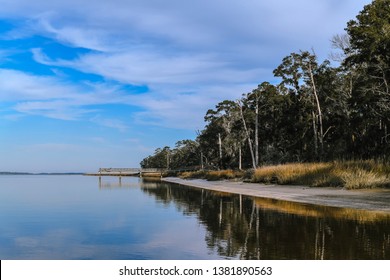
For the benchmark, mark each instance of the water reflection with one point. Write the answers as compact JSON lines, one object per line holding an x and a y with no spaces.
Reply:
{"x":119,"y":183}
{"x":80,"y":217}
{"x":256,"y":228}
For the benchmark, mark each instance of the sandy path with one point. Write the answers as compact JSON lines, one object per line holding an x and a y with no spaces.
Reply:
{"x":374,"y":200}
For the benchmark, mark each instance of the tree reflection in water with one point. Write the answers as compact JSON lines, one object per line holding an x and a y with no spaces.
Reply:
{"x":257,"y":228}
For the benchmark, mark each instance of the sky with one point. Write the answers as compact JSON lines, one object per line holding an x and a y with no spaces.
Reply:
{"x":89,"y":84}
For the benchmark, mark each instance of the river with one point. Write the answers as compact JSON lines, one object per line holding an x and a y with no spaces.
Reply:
{"x":80,"y":217}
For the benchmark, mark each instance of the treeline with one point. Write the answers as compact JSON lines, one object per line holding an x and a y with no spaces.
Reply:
{"x":316,"y":113}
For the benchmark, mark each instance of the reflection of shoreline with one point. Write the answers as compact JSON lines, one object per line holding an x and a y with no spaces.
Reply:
{"x":317,"y":211}
{"x":377,"y":201}
{"x":244,"y":227}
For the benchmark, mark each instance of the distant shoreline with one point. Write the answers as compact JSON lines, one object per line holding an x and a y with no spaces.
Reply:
{"x":371,"y":200}
{"x":42,"y":173}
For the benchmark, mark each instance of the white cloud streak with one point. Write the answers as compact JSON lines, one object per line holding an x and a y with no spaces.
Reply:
{"x":52,"y":97}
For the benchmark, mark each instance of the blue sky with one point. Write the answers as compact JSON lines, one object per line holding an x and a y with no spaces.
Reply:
{"x":89,"y":84}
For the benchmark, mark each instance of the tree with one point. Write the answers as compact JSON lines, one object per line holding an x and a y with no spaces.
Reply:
{"x":297,"y":72}
{"x":370,"y":35}
{"x":185,"y":154}
{"x":369,"y":54}
{"x":223,"y":128}
{"x":160,"y":159}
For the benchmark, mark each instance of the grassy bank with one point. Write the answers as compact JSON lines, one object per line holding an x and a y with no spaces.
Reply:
{"x":349,"y":174}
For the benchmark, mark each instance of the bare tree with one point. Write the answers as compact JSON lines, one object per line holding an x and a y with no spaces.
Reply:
{"x":239,"y":103}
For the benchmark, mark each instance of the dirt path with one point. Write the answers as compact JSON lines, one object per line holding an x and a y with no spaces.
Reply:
{"x":374,"y":200}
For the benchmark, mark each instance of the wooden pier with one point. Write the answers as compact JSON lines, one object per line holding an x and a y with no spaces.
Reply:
{"x":119,"y":172}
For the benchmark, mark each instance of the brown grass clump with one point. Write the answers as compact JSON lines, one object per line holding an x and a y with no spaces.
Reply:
{"x":350,"y":174}
{"x":221,"y":175}
{"x":363,"y":174}
{"x":192,"y":174}
{"x":312,"y":174}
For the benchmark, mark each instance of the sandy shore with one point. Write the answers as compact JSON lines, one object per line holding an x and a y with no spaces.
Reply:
{"x":373,"y":200}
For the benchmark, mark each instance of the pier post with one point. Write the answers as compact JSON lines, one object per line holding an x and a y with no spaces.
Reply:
{"x":240,"y":203}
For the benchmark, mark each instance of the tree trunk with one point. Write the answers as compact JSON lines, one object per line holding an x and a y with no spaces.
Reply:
{"x":257,"y":133}
{"x":239,"y":158}
{"x":220,"y":150}
{"x":247,"y":135}
{"x":321,"y":130}
{"x":315,"y":134}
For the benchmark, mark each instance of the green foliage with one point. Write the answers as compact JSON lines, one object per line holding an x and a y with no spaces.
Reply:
{"x":185,"y":154}
{"x":370,"y":34}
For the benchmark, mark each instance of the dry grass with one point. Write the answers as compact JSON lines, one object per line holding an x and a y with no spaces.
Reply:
{"x":192,"y":174}
{"x":351,"y":174}
{"x":223,"y":174}
{"x":151,"y":175}
{"x":364,"y":174}
{"x":213,"y":175}
{"x":313,"y":174}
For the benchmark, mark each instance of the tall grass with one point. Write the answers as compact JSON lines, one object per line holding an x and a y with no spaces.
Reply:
{"x":349,"y":174}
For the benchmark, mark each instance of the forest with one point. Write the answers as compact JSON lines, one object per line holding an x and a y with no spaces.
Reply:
{"x":317,"y":113}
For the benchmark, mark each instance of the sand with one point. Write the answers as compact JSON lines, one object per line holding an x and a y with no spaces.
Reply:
{"x":373,"y":200}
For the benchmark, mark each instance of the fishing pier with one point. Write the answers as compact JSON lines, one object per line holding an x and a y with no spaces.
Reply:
{"x":119,"y":172}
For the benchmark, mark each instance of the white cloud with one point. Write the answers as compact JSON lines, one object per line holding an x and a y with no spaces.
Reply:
{"x":59,"y":109}
{"x":54,"y":98}
{"x":16,"y":85}
{"x":84,"y":37}
{"x":112,"y":123}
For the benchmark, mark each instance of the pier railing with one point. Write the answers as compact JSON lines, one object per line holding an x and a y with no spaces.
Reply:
{"x":109,"y":171}
{"x":126,"y":171}
{"x":119,"y":170}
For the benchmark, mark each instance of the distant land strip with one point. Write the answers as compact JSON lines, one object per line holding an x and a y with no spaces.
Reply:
{"x":41,"y":173}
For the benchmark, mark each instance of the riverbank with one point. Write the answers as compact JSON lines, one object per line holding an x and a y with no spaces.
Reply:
{"x":372,"y":199}
{"x":358,"y":174}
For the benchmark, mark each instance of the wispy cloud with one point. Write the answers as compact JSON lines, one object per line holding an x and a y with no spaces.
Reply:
{"x":60,"y":109}
{"x":112,"y":123}
{"x":54,"y":98}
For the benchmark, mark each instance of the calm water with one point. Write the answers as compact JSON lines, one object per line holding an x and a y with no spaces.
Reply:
{"x":76,"y":217}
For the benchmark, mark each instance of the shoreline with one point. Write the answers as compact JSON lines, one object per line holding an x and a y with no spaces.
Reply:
{"x":371,"y":200}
